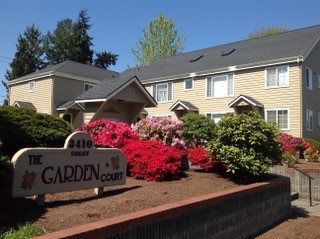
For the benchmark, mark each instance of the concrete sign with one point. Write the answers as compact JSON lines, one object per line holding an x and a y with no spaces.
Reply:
{"x":79,"y":165}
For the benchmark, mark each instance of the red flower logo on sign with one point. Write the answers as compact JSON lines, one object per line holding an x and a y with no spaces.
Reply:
{"x":28,"y":180}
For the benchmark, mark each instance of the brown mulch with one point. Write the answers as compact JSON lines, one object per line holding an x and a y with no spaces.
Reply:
{"x":65,"y":210}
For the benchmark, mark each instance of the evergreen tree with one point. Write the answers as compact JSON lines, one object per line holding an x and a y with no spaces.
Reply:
{"x":29,"y":55}
{"x":260,"y":32}
{"x":159,"y":40}
{"x":104,"y":59}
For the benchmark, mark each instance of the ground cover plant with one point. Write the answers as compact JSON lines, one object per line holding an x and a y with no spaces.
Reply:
{"x":23,"y":232}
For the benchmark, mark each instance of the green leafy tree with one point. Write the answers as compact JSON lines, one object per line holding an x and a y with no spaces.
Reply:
{"x":247,"y":144}
{"x":71,"y":41}
{"x":198,"y":129}
{"x":29,"y":55}
{"x":160,"y":39}
{"x":260,"y":32}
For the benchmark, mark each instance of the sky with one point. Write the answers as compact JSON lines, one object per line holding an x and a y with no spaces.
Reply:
{"x":117,"y":24}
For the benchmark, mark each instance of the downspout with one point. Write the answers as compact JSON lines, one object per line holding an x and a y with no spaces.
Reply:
{"x":299,"y":61}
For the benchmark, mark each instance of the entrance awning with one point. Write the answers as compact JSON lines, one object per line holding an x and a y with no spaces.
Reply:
{"x":71,"y":104}
{"x":183,"y":105}
{"x":243,"y":100}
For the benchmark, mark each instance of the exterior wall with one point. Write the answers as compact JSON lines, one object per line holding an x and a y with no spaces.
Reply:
{"x":299,"y":182}
{"x":248,"y":82}
{"x":311,"y":97}
{"x":237,"y":213}
{"x":41,"y":97}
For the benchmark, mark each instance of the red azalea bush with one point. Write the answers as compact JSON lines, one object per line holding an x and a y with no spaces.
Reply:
{"x":109,"y":134}
{"x":293,"y":145}
{"x":152,"y":160}
{"x":202,"y":158}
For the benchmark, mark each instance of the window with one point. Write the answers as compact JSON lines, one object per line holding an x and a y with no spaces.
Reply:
{"x":318,"y":81}
{"x":162,"y":92}
{"x":87,"y":86}
{"x":279,"y":117}
{"x":309,"y":78}
{"x":216,"y":116}
{"x":319,"y":119}
{"x":219,"y":86}
{"x":277,"y":77}
{"x":32,"y":85}
{"x":158,"y":117}
{"x":188,"y":84}
{"x":309,"y":120}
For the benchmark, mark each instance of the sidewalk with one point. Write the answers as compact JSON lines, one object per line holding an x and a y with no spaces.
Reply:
{"x":303,"y":206}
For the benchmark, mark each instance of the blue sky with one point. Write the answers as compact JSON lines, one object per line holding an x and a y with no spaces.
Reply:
{"x":117,"y":24}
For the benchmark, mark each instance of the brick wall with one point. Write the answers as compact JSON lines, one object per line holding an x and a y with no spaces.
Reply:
{"x":236,"y":213}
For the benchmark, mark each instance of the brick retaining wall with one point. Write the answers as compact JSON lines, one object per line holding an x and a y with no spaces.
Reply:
{"x":300,"y":182}
{"x":237,"y":213}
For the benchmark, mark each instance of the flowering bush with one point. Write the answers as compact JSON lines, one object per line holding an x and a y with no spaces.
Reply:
{"x":109,"y":134}
{"x":152,"y":161}
{"x":163,"y":130}
{"x":291,"y":144}
{"x":202,"y":158}
{"x":311,"y":154}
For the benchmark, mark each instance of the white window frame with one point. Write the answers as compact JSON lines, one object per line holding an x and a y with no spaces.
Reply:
{"x":217,"y":113}
{"x":155,"y":88}
{"x":32,"y":86}
{"x":309,"y":125}
{"x":225,"y":96}
{"x":277,"y":75}
{"x":192,"y":84}
{"x":277,"y":110}
{"x":309,"y":72}
{"x":87,"y":84}
{"x":169,"y":116}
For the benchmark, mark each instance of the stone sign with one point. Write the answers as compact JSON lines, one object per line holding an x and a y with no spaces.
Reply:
{"x":79,"y":165}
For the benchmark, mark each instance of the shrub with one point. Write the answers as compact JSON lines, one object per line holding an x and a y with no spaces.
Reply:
{"x":293,"y":145}
{"x":198,"y":129}
{"x":202,"y":158}
{"x":22,"y":128}
{"x":312,"y":155}
{"x":109,"y":134}
{"x":152,"y":161}
{"x":314,"y":143}
{"x":164,"y":130}
{"x":246,"y":143}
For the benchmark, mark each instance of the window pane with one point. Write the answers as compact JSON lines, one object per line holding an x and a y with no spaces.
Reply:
{"x":271,"y":77}
{"x":162,"y":92}
{"x":283,"y":76}
{"x":169,"y":91}
{"x":272,"y":116}
{"x":230,"y":85}
{"x":209,"y":87}
{"x":220,"y":86}
{"x":283,"y":119}
{"x":188,"y":84}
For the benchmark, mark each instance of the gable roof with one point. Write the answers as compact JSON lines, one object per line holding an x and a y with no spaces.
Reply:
{"x":276,"y":49}
{"x":106,"y":89}
{"x":24,"y":104}
{"x":185,"y":105}
{"x":247,"y":99}
{"x":69,"y":68}
{"x":69,"y":104}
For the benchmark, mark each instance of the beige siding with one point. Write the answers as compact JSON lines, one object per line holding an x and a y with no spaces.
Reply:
{"x":311,"y":98}
{"x":250,"y":83}
{"x":41,"y":97}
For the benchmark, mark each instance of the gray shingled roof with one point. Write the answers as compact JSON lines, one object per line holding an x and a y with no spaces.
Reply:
{"x":247,"y":99}
{"x":185,"y":104}
{"x":68,"y":104}
{"x":105,"y":88}
{"x":24,"y":104}
{"x":73,"y":68}
{"x":252,"y":52}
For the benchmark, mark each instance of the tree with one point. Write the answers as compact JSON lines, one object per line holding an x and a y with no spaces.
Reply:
{"x":159,"y":40}
{"x":260,"y":32}
{"x":29,"y":55}
{"x":71,"y":41}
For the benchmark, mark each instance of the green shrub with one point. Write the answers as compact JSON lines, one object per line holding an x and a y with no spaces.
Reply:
{"x":23,"y":232}
{"x":315,"y":143}
{"x":199,"y":129}
{"x":246,"y":144}
{"x":21,"y":128}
